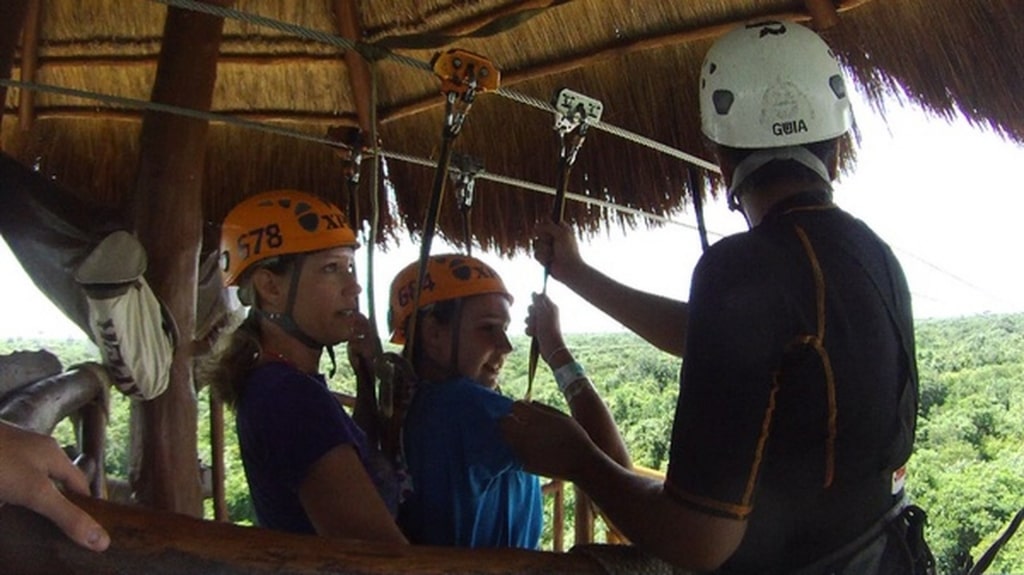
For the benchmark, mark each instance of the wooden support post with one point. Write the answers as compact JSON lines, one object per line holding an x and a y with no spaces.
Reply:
{"x":12,"y":17}
{"x":168,"y":220}
{"x":29,"y":59}
{"x":558,"y":519}
{"x":220,"y":505}
{"x":92,"y":439}
{"x":584,"y":530}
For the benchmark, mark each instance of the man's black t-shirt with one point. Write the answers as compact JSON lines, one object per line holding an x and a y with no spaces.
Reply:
{"x":798,"y":389}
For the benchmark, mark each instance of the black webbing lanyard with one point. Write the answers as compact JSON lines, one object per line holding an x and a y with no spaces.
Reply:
{"x":574,"y":110}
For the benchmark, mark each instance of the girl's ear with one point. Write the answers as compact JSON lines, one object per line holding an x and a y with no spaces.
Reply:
{"x":269,"y":289}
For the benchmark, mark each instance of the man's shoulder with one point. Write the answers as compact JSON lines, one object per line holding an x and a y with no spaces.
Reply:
{"x":743,"y":250}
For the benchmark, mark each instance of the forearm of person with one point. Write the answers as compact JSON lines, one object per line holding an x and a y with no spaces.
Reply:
{"x":341,"y":500}
{"x":658,"y":319}
{"x":654,"y":522}
{"x":592,"y":413}
{"x":589,"y":410}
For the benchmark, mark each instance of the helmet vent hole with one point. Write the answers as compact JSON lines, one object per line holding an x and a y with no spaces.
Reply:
{"x":462,"y":272}
{"x":309,"y":222}
{"x":838,"y":86}
{"x":723,"y":100}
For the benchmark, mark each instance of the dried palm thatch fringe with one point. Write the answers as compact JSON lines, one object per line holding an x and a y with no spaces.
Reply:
{"x":640,"y":58}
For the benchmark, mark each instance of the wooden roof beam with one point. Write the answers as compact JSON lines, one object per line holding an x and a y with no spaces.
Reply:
{"x":479,"y":21}
{"x":823,"y":14}
{"x":358,"y":70}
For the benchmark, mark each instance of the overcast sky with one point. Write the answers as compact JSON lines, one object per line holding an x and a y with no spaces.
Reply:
{"x":947,"y":198}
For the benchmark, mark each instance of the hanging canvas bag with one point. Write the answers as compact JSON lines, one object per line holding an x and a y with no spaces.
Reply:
{"x":135,"y":334}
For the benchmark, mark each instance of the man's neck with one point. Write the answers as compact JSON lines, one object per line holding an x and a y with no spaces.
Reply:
{"x":758,"y":203}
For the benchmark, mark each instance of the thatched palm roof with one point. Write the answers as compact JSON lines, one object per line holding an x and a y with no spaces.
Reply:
{"x":639,"y":57}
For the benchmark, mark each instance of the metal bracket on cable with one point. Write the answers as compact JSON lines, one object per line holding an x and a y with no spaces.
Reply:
{"x":463,"y":75}
{"x":463,"y":175}
{"x":351,"y":142}
{"x":350,"y":152}
{"x":574,"y":113}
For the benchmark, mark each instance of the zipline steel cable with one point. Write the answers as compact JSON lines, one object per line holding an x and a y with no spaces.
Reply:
{"x":410,"y":159}
{"x":368,"y":50}
{"x":371,"y":51}
{"x":133,"y":103}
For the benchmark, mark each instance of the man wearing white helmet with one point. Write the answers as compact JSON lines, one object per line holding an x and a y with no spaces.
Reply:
{"x":798,"y":393}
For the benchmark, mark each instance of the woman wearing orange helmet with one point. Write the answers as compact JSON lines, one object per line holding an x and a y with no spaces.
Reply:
{"x":309,"y":467}
{"x":469,"y":490}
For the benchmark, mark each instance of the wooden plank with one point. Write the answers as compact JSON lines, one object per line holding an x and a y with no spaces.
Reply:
{"x":23,"y":367}
{"x":168,"y":221}
{"x":160,"y":543}
{"x":40,"y":406}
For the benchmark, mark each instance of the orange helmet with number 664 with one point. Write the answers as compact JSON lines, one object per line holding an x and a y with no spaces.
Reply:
{"x":447,"y":277}
{"x":279,"y":223}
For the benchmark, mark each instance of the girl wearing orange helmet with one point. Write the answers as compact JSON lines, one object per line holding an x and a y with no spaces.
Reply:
{"x":309,"y":467}
{"x":469,"y":490}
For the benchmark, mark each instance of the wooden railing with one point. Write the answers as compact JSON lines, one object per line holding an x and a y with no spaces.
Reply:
{"x":160,"y":543}
{"x":36,"y":394}
{"x":148,"y":541}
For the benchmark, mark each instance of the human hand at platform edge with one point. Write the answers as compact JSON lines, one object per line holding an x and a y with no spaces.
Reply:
{"x":31,"y":466}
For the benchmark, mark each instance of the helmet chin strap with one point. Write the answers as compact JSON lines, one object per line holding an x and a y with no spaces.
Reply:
{"x":286,"y":321}
{"x":761,"y":158}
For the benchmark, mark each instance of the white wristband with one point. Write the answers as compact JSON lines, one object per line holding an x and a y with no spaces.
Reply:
{"x":569,"y":373}
{"x":573,"y":389}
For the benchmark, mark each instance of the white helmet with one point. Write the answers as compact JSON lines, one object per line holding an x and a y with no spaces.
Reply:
{"x":772,"y":85}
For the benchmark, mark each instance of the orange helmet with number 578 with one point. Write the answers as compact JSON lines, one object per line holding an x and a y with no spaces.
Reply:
{"x":448,"y":276}
{"x":278,"y":223}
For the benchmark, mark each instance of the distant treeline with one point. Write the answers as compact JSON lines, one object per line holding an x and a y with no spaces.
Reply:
{"x":967,"y":471}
